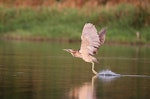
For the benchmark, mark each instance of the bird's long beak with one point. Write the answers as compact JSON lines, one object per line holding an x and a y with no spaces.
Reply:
{"x":67,"y":50}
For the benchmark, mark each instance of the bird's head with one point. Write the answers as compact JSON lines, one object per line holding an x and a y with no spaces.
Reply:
{"x":71,"y":51}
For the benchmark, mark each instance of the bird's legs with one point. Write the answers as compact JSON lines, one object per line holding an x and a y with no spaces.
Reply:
{"x":93,"y":69}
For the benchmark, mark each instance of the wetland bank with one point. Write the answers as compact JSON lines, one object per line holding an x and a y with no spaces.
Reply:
{"x":126,"y":23}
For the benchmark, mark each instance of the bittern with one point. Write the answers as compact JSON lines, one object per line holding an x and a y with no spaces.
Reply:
{"x":91,"y":41}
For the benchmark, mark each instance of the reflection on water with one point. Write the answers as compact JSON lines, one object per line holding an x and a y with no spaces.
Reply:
{"x":85,"y":91}
{"x":41,"y":70}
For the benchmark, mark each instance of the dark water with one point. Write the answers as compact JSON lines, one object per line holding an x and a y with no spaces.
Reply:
{"x":44,"y":71}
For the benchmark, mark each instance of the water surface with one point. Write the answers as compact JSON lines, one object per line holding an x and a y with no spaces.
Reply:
{"x":42,"y":70}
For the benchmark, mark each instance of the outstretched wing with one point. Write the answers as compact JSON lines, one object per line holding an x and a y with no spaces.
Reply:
{"x":91,"y":40}
{"x":102,"y":35}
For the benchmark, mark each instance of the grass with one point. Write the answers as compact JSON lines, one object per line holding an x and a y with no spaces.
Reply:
{"x":123,"y":21}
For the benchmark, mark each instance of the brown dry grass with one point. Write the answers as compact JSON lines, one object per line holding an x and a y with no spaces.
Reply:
{"x":71,"y":3}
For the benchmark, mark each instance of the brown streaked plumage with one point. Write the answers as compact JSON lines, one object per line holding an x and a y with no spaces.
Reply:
{"x":91,"y":41}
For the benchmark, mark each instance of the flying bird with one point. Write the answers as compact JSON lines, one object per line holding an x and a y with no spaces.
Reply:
{"x":91,"y":41}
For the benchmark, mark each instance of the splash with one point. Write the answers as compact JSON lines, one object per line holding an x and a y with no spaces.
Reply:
{"x":108,"y":73}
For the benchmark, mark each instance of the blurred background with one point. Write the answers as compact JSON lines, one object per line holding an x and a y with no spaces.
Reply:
{"x":128,"y":21}
{"x":34,"y":32}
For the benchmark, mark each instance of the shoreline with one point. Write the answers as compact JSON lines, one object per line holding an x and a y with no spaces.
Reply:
{"x":64,"y":40}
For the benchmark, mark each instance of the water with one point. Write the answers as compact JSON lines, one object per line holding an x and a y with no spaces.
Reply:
{"x":42,"y":70}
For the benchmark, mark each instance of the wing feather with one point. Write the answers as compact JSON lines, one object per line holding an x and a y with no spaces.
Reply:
{"x":91,"y":40}
{"x":102,"y":35}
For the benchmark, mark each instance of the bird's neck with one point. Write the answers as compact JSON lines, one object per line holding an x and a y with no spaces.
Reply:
{"x":77,"y":54}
